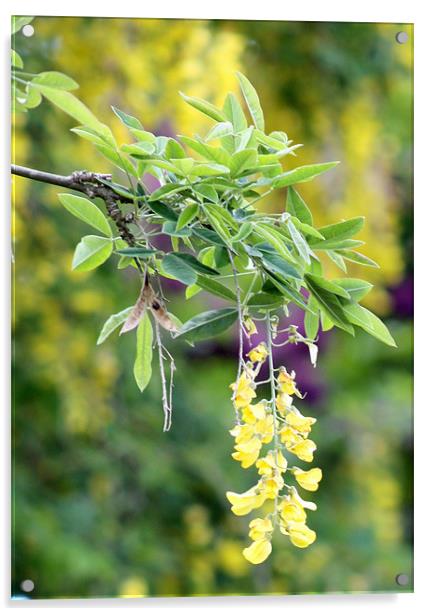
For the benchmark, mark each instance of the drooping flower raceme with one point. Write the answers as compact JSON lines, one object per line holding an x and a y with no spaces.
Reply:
{"x":266,"y":434}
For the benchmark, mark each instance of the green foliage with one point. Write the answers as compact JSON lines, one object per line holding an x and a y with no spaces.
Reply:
{"x":87,"y":211}
{"x":91,"y":252}
{"x":210,"y":201}
{"x":208,"y":324}
{"x":144,"y":352}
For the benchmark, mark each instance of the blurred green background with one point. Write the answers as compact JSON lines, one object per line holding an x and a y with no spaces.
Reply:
{"x":105,"y":504}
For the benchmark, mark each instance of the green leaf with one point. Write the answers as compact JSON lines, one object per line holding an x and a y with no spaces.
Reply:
{"x":206,"y":191}
{"x":20,"y":22}
{"x":342,"y":230}
{"x":269,"y":142}
{"x":302,"y":174}
{"x":208,"y":236}
{"x":215,"y":288}
{"x":209,"y":169}
{"x":173,"y":149}
{"x":160,"y":164}
{"x":217,"y":222}
{"x":56,"y":80}
{"x":143,"y":135}
{"x":278,"y":265}
{"x":187,"y":215}
{"x":275,"y":239}
{"x":71,"y":105}
{"x":337,"y":259}
{"x":326,"y":322}
{"x":329,"y":304}
{"x":357,"y":257}
{"x":246,"y":159}
{"x":144,"y":352}
{"x":265,"y":300}
{"x":126,"y":119}
{"x":355,"y":287}
{"x":335,"y":244}
{"x":169,"y":228}
{"x":91,"y":252}
{"x":87,"y":211}
{"x":118,"y":159}
{"x":311,"y":318}
{"x":111,"y":324}
{"x":138,"y":252}
{"x":85,"y":133}
{"x":306,"y":229}
{"x":140,"y":150}
{"x":288,"y":291}
{"x":192,"y":290}
{"x":205,"y":107}
{"x":245,"y":230}
{"x":179,"y":269}
{"x":222,"y":129}
{"x":299,"y":242}
{"x":208,"y":324}
{"x":327,"y":285}
{"x":360,"y":316}
{"x":252,"y":101}
{"x":297,"y":207}
{"x":196,"y":265}
{"x":234,"y":113}
{"x":166,"y":191}
{"x":163,"y":210}
{"x":16,"y":59}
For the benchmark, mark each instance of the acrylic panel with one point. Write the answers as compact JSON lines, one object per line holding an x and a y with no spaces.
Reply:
{"x":212,"y":345}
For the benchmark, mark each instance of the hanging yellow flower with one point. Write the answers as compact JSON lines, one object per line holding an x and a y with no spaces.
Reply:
{"x":308,"y":480}
{"x":258,"y":551}
{"x":280,"y":423}
{"x":242,"y":504}
{"x":304,"y":450}
{"x":244,"y":391}
{"x":247,"y":452}
{"x":287,"y":384}
{"x":258,"y":354}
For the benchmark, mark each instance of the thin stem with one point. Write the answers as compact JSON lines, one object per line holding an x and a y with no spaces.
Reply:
{"x":273,"y":395}
{"x":166,"y":401}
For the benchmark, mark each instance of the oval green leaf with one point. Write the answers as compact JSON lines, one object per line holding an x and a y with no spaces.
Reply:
{"x":144,"y":352}
{"x":91,"y":252}
{"x":86,"y":211}
{"x":208,"y":324}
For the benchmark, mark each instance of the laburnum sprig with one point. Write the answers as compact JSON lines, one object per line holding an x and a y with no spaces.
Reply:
{"x":279,"y":425}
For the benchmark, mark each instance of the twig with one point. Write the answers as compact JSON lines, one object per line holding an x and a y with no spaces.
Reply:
{"x":91,"y":184}
{"x":166,"y":402}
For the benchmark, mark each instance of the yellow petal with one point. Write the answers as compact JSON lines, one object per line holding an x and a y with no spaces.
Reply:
{"x":242,"y":504}
{"x":259,"y":527}
{"x":254,"y":412}
{"x":304,"y":450}
{"x":308,"y":480}
{"x":259,"y":353}
{"x":297,"y":421}
{"x":301,"y":535}
{"x":258,"y":551}
{"x":292,"y":511}
{"x":283,"y":402}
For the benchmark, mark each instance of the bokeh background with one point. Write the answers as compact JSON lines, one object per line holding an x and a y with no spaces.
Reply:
{"x":104,"y":503}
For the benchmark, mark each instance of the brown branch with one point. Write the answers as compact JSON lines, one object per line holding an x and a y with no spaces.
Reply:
{"x":92,"y":185}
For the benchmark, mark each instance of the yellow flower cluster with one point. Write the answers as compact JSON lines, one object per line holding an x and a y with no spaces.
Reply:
{"x":261,"y":423}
